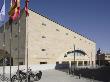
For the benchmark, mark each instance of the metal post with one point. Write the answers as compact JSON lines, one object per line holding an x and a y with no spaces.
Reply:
{"x":10,"y":46}
{"x":91,"y":60}
{"x":74,"y":57}
{"x":18,"y":45}
{"x":99,"y":59}
{"x":27,"y":47}
{"x":4,"y":53}
{"x":70,"y":67}
{"x":99,"y":53}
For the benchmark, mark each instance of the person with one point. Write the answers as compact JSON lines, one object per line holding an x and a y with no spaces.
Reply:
{"x":99,"y":52}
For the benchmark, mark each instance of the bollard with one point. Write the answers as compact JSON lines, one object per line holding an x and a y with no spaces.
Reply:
{"x":93,"y":79}
{"x":69,"y":71}
{"x":79,"y":76}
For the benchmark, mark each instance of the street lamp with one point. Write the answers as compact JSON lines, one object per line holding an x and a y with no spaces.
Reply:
{"x":70,"y":67}
{"x":75,"y":51}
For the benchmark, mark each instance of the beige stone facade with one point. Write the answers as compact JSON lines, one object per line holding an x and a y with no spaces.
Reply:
{"x":13,"y":47}
{"x":48,"y":42}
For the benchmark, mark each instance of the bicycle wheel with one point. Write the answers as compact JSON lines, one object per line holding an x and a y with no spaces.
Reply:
{"x":36,"y":77}
{"x":14,"y":78}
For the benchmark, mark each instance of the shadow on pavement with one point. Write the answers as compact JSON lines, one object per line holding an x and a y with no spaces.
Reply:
{"x":100,"y":74}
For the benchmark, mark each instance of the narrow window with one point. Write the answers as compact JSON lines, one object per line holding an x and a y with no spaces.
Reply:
{"x":66,"y":33}
{"x":43,"y":24}
{"x":43,"y":62}
{"x":20,"y":63}
{"x":74,"y":36}
{"x":57,"y":29}
{"x":15,"y":49}
{"x":43,"y":49}
{"x":16,"y":36}
{"x":43,"y":36}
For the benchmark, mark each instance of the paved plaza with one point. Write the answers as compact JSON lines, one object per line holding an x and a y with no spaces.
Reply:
{"x":59,"y":76}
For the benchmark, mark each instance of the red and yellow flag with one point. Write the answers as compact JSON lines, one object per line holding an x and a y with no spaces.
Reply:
{"x":14,"y":9}
{"x":26,"y":7}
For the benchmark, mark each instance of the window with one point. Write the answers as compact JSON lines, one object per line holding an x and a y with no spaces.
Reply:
{"x":15,"y":49}
{"x":43,"y":36}
{"x":74,"y":36}
{"x":92,"y":62}
{"x":66,"y":33}
{"x":80,"y":63}
{"x":20,"y":63}
{"x":16,"y":36}
{"x":73,"y":62}
{"x":43,"y":24}
{"x":43,"y":49}
{"x":57,"y":29}
{"x":57,"y":62}
{"x":43,"y":62}
{"x":85,"y":63}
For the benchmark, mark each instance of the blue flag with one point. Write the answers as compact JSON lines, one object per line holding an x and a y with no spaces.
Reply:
{"x":2,"y":12}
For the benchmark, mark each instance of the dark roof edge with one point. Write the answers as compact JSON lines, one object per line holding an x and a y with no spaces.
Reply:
{"x":61,"y":25}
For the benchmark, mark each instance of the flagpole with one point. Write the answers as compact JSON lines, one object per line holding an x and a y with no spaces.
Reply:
{"x":10,"y":46}
{"x":27,"y":46}
{"x":4,"y":48}
{"x":18,"y":44}
{"x":4,"y":53}
{"x":18,"y":11}
{"x":10,"y":23}
{"x":27,"y":14}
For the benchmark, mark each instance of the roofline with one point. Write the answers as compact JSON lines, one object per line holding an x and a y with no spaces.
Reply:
{"x":61,"y":25}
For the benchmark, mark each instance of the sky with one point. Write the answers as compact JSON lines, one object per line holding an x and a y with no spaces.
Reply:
{"x":90,"y":18}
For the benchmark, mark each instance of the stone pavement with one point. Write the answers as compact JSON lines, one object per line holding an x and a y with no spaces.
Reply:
{"x":59,"y":76}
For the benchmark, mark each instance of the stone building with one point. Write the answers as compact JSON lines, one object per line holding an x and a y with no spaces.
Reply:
{"x":103,"y":59}
{"x":47,"y":41}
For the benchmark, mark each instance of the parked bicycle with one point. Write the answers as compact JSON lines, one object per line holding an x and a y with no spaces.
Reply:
{"x":38,"y":76}
{"x":22,"y":76}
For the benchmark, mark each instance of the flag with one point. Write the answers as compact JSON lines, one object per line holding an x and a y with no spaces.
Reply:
{"x":14,"y":12}
{"x":26,"y":7}
{"x":2,"y":12}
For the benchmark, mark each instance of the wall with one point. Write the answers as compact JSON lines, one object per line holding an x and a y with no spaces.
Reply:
{"x":55,"y":40}
{"x":47,"y":41}
{"x":14,"y":40}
